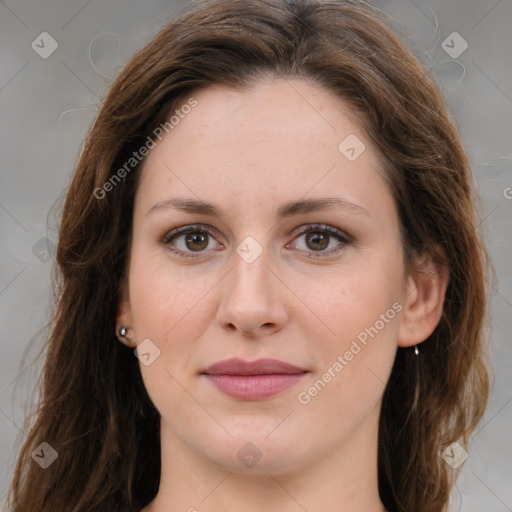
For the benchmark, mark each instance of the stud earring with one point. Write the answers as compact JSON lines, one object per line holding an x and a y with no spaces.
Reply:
{"x":124,"y":330}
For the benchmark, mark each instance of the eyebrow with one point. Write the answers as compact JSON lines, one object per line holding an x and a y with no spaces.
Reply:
{"x":289,"y":209}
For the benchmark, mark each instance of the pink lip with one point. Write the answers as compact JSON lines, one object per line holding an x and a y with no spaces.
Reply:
{"x":253,"y":380}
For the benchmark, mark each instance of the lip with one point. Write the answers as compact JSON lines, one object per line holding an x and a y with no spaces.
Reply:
{"x":253,"y":380}
{"x":236,"y":366}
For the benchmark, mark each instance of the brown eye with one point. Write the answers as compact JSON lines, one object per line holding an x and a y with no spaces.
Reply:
{"x":321,"y":240}
{"x":196,"y":241}
{"x":187,"y":240}
{"x":317,"y":241}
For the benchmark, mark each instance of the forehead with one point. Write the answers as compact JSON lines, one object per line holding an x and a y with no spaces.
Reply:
{"x":278,"y":139}
{"x":274,"y":107}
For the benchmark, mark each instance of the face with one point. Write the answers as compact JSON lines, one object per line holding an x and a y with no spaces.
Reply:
{"x":237,"y":254}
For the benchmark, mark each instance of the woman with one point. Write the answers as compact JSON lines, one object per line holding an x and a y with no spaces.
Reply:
{"x":274,"y":212}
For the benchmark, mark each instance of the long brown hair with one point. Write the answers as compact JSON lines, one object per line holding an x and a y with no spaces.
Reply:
{"x":94,"y":410}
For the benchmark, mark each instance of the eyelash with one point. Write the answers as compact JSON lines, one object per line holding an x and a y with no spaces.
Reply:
{"x":343,"y":238}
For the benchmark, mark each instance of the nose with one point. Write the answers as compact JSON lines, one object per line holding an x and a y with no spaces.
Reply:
{"x":252,"y":299}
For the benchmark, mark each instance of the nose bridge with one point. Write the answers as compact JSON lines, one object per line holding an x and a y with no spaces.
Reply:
{"x":251,"y":298}
{"x":250,"y":279}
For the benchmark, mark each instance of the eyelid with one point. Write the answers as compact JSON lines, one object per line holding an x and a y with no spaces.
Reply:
{"x":189,"y":228}
{"x":331,"y":230}
{"x":340,"y":235}
{"x":183,"y":230}
{"x":344,"y":241}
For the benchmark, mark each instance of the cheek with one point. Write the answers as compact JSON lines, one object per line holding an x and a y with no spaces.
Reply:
{"x":169,"y":309}
{"x":354,"y":365}
{"x":163,"y":298}
{"x":353,"y":297}
{"x":361,"y":308}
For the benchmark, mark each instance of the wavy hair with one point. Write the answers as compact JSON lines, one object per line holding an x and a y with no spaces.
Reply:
{"x":93,"y":408}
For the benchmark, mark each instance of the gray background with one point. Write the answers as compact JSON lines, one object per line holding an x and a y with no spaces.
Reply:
{"x":47,"y":105}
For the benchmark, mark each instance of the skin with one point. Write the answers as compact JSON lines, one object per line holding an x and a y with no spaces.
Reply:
{"x":249,"y":152}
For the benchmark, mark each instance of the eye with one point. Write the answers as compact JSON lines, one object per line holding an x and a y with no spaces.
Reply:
{"x":187,"y":240}
{"x":318,"y":238}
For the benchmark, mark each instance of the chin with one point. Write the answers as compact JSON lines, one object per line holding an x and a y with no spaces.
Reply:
{"x":255,"y":452}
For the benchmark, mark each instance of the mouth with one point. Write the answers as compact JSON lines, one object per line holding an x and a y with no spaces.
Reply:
{"x":253,"y":380}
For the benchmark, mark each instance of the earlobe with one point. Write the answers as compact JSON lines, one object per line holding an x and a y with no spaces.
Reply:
{"x":424,"y":303}
{"x":124,"y":337}
{"x":124,"y":320}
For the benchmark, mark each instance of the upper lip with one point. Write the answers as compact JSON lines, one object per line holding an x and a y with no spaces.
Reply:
{"x":238,"y":366}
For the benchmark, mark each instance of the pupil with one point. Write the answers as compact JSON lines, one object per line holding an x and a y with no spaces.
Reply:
{"x":196,"y":238}
{"x":319,"y":239}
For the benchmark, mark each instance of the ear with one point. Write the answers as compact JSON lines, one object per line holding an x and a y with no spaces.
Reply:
{"x":124,"y":316}
{"x":426,"y":288}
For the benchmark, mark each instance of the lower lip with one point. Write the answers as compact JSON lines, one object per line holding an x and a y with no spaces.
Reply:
{"x":254,"y":387}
